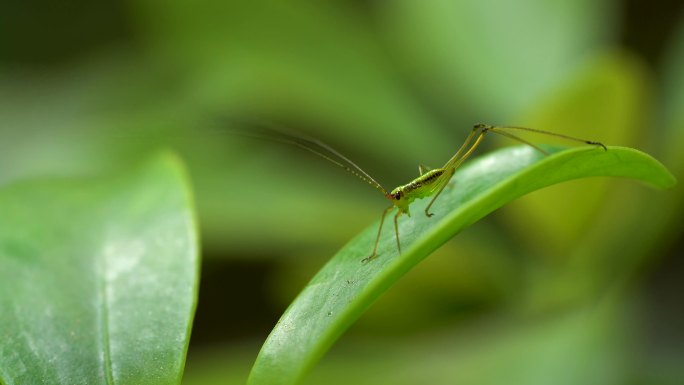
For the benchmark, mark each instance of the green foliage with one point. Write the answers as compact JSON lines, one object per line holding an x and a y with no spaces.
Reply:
{"x":99,"y":277}
{"x":564,"y":285}
{"x":345,"y":287}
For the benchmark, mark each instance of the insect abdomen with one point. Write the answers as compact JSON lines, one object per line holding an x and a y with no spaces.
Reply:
{"x":430,"y":176}
{"x":423,"y":185}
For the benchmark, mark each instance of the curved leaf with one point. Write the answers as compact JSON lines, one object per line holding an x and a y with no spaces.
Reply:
{"x":345,"y":287}
{"x":98,"y":278}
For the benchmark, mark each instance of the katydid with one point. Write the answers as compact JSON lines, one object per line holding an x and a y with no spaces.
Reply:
{"x":431,"y":182}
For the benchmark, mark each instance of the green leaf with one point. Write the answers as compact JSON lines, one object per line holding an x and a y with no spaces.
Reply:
{"x":308,"y":62}
{"x":673,"y":84}
{"x":539,"y":351}
{"x":486,"y":55}
{"x":98,"y":278}
{"x":345,"y":287}
{"x":607,"y":102}
{"x":673,"y":101}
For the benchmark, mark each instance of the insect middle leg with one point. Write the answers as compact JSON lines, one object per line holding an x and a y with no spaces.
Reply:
{"x":422,"y":169}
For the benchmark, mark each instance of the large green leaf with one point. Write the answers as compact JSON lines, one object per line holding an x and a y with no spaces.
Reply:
{"x":608,"y":102}
{"x":98,"y":278}
{"x":544,"y":350}
{"x":673,"y":100}
{"x":493,"y":58}
{"x":674,"y":76}
{"x":345,"y":287}
{"x":320,"y":62}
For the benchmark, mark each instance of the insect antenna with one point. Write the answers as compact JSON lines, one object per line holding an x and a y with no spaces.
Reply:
{"x":315,"y":146}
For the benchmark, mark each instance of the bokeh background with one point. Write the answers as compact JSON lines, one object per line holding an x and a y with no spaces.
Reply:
{"x":580,"y":283}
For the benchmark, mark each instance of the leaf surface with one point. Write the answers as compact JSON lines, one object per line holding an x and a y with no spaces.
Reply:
{"x":98,"y":278}
{"x":344,"y":288}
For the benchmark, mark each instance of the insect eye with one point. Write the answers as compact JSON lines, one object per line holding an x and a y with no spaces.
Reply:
{"x":397,"y":195}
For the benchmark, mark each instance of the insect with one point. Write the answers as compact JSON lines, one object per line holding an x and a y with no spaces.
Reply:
{"x":431,"y":182}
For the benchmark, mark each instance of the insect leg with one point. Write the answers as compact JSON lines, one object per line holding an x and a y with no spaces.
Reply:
{"x":458,"y":159}
{"x":422,"y":169}
{"x":377,"y":239}
{"x":466,"y":143}
{"x":396,"y":230}
{"x":519,"y":139}
{"x":467,"y":149}
{"x":501,"y":129}
{"x":441,"y":188}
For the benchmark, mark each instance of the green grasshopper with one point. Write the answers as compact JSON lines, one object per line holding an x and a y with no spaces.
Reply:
{"x":431,"y":182}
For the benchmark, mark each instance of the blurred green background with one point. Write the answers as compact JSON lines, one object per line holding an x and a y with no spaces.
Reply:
{"x":581,"y":283}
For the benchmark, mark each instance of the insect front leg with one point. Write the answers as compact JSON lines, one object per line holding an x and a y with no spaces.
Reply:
{"x":396,"y":230}
{"x":377,"y":238}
